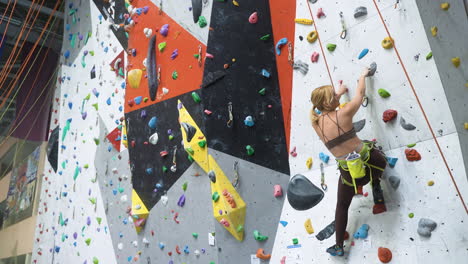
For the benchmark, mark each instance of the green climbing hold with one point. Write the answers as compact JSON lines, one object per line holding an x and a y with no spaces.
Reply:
{"x":175,"y":75}
{"x":86,"y":166}
{"x":145,"y":99}
{"x":195,"y":235}
{"x":96,"y":106}
{"x":171,"y":137}
{"x":411,"y":145}
{"x":196,"y":56}
{"x":196,"y":97}
{"x":87,"y":97}
{"x":202,"y":143}
{"x":429,"y":56}
{"x":190,"y":151}
{"x":77,"y":171}
{"x":121,"y":73}
{"x":250,"y":150}
{"x":240,"y":228}
{"x":121,"y":190}
{"x":162,"y":46}
{"x":410,"y":215}
{"x":258,"y":236}
{"x":295,"y":241}
{"x":262,"y":91}
{"x":92,"y":200}
{"x":265,"y":37}
{"x":331,"y":47}
{"x":164,"y":168}
{"x":184,"y":186}
{"x":215,"y":196}
{"x":96,"y":140}
{"x":64,"y":165}
{"x":190,"y":158}
{"x":202,"y":21}
{"x":88,"y":241}
{"x":99,"y":219}
{"x":95,"y":260}
{"x":383,"y":93}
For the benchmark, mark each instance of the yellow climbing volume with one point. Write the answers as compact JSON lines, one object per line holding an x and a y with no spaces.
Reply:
{"x":304,"y":21}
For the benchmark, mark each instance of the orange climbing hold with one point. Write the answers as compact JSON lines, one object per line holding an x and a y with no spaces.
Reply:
{"x":261,"y":254}
{"x":385,"y":255}
{"x":412,"y":155}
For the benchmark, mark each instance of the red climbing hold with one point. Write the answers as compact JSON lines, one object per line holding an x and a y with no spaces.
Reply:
{"x":379,"y":208}
{"x":385,"y":255}
{"x":389,"y":115}
{"x":346,"y":235}
{"x":412,"y":155}
{"x":320,"y":13}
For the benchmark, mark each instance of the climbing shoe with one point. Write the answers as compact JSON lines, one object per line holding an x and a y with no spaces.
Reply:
{"x":335,"y":250}
{"x":379,"y":202}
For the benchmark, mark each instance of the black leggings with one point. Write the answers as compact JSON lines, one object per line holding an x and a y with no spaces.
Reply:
{"x":346,"y":193}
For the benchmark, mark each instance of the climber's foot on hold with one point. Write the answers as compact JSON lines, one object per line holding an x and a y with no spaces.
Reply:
{"x":335,"y":250}
{"x":379,"y":203}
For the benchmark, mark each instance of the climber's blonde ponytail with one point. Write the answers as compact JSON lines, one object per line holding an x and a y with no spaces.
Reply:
{"x":321,"y":99}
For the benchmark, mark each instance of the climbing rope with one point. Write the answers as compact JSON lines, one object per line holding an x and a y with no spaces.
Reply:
{"x":422,"y":109}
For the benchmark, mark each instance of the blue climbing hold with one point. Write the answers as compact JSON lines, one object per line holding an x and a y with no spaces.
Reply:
{"x":161,"y":245}
{"x":363,"y":53}
{"x":152,"y":122}
{"x":122,"y":85}
{"x":70,"y":105}
{"x":283,"y":223}
{"x":67,"y":54}
{"x":149,"y":171}
{"x":324,"y":157}
{"x":362,"y":232}
{"x":106,"y":49}
{"x":108,"y":101}
{"x":67,"y":27}
{"x":280,"y":44}
{"x":265,"y":73}
{"x":249,"y":121}
{"x":138,"y":100}
{"x":391,"y":161}
{"x":114,"y":191}
{"x":120,"y":108}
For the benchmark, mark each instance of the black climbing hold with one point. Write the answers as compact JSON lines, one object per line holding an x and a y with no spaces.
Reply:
{"x":302,"y":193}
{"x":360,"y":11}
{"x":151,"y":68}
{"x":372,"y":69}
{"x":301,"y":66}
{"x":212,"y":176}
{"x":406,"y":126}
{"x":394,"y":181}
{"x":189,"y":130}
{"x":196,"y":9}
{"x":327,"y":232}
{"x":301,"y":38}
{"x":359,"y":125}
{"x":212,"y":77}
{"x":52,"y":148}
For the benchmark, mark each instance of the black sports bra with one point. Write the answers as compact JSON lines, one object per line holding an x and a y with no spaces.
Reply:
{"x":341,"y":137}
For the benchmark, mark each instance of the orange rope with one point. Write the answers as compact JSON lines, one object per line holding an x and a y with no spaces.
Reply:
{"x":23,"y":66}
{"x":422,"y":109}
{"x":15,"y":51}
{"x":3,"y":16}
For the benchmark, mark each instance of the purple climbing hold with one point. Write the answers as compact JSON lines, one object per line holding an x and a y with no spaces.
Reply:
{"x":145,"y":9}
{"x":95,"y":92}
{"x":88,"y":220}
{"x":181,"y":201}
{"x":75,"y":235}
{"x":179,"y":106}
{"x":84,"y":115}
{"x":164,"y":30}
{"x":143,"y":114}
{"x":174,"y":54}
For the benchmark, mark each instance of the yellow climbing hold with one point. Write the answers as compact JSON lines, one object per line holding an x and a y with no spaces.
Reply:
{"x":466,"y":126}
{"x":139,"y":211}
{"x":434,"y":31}
{"x":456,"y":62}
{"x":309,"y":163}
{"x":445,"y":6}
{"x":304,"y":21}
{"x":234,"y":2}
{"x":387,"y":43}
{"x":134,"y":78}
{"x":308,"y":226}
{"x":430,"y":183}
{"x":312,"y":36}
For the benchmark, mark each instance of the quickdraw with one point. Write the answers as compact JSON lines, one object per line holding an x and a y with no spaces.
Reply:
{"x":199,"y":55}
{"x":343,"y":26}
{"x":322,"y":178}
{"x":235,"y":182}
{"x":290,"y":54}
{"x":231,"y":117}
{"x":365,"y":101}
{"x":174,"y":167}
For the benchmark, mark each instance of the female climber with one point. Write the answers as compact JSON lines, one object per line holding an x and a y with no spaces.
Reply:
{"x":359,"y":162}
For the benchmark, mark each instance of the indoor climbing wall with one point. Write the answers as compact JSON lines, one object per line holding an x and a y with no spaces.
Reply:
{"x":351,"y":36}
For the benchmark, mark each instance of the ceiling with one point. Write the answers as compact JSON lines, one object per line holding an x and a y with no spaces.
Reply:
{"x":54,"y":35}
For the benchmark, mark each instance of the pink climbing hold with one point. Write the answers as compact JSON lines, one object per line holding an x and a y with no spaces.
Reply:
{"x":320,"y":13}
{"x":209,"y":56}
{"x":278,"y":191}
{"x":253,"y":19}
{"x":283,"y":260}
{"x":293,"y":152}
{"x":208,"y":112}
{"x":314,"y":57}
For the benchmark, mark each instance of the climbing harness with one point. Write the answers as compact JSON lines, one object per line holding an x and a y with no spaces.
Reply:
{"x":343,"y":26}
{"x":235,"y":182}
{"x":322,"y":178}
{"x":231,"y":118}
{"x":174,"y":167}
{"x":356,"y":163}
{"x":290,"y":54}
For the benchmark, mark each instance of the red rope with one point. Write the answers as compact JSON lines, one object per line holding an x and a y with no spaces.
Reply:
{"x":422,"y":109}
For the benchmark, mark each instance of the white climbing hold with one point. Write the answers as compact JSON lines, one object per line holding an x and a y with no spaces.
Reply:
{"x":120,"y":246}
{"x":145,"y":241}
{"x":135,"y":243}
{"x":154,"y":139}
{"x":164,"y":199}
{"x":148,"y":32}
{"x":165,"y":90}
{"x":124,"y":198}
{"x":144,"y":62}
{"x":426,"y":226}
